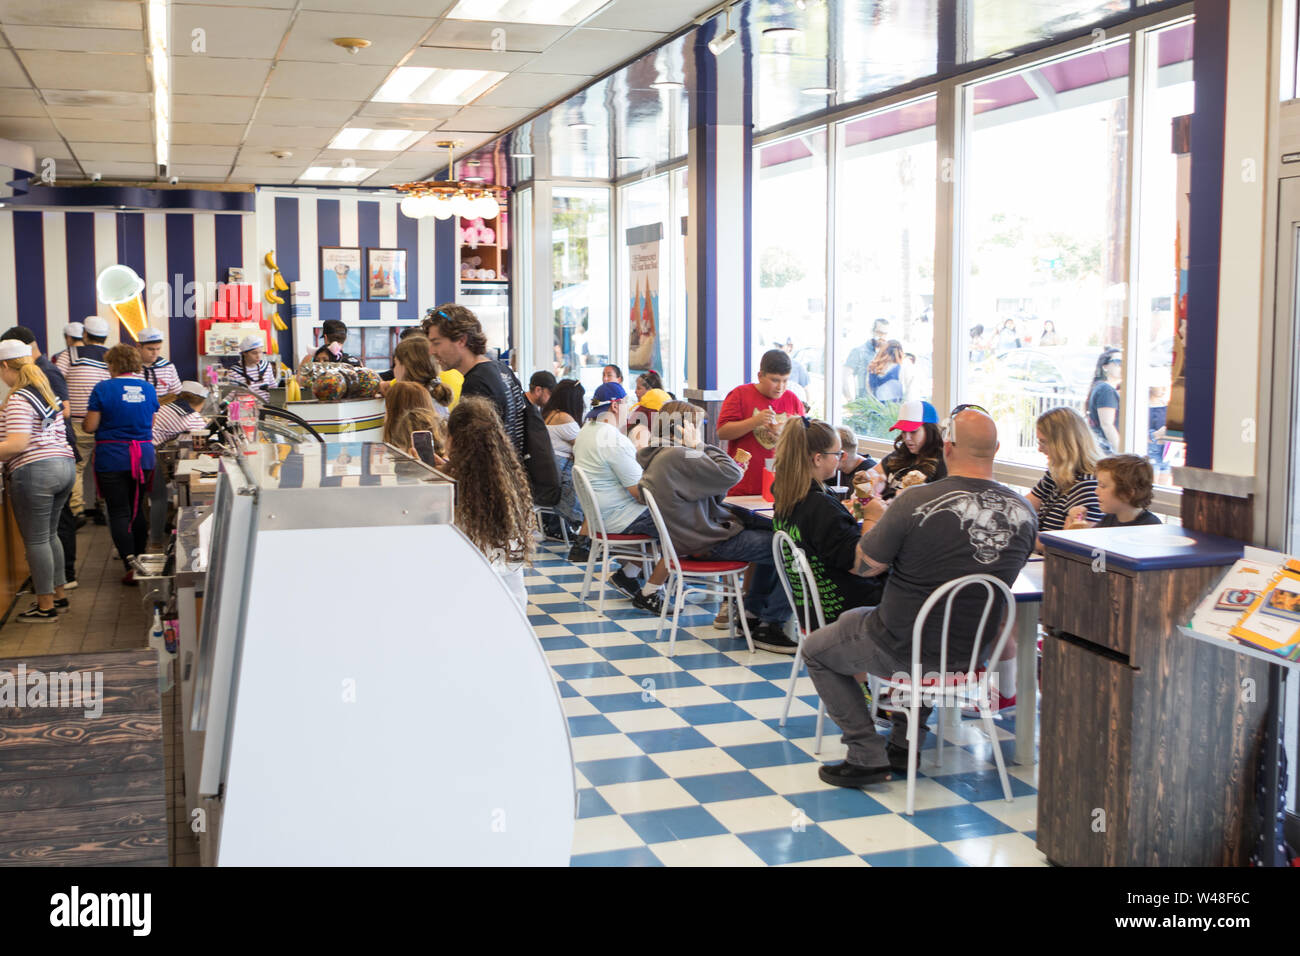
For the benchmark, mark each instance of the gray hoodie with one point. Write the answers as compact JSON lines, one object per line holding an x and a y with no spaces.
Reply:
{"x":689,"y":485}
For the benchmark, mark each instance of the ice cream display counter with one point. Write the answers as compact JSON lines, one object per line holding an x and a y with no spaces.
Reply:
{"x":351,"y":420}
{"x":348,"y":629}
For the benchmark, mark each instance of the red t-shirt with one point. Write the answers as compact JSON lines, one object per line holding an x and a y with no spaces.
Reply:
{"x":740,"y":405}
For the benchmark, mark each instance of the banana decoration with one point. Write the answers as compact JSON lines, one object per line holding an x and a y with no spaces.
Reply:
{"x":271,"y":295}
{"x":273,"y":298}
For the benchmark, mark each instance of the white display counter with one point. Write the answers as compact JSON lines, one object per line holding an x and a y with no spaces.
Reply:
{"x":357,"y":419}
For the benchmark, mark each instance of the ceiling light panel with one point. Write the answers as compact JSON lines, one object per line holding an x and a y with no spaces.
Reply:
{"x":557,"y":12}
{"x":415,"y":84}
{"x":336,"y":174}
{"x":386,"y":140}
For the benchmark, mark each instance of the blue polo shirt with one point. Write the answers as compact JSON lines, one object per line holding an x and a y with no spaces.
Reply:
{"x":126,"y":406}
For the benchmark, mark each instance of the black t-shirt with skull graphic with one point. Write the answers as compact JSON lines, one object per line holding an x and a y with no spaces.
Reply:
{"x":935,"y":533}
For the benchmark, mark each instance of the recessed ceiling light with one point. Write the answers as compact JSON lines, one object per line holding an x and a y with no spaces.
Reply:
{"x":781,"y":32}
{"x":557,"y":12}
{"x":387,"y":140}
{"x":819,"y":91}
{"x":668,"y":85}
{"x":336,"y":174}
{"x":418,"y":84}
{"x":580,"y":126}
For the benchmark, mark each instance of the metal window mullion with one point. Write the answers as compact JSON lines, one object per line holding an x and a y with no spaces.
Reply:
{"x":948,"y":369}
{"x":832,"y":220}
{"x":1132,"y":432}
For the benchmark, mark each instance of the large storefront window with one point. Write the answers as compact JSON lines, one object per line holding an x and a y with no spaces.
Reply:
{"x":1043,"y":290}
{"x":1161,"y":193}
{"x":789,"y":305}
{"x":645,"y":277}
{"x":580,"y":283}
{"x":884,"y":265}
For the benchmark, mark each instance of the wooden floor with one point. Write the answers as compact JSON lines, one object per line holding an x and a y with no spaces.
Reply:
{"x":104,"y":616}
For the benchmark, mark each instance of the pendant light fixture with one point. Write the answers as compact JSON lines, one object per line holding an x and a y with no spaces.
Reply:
{"x":444,"y":198}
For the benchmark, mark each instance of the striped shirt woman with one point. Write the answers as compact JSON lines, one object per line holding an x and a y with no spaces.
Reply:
{"x":174,"y":419}
{"x":1072,"y":455}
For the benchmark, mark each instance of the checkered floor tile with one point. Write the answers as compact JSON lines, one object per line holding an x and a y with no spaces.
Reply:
{"x":682,"y":760}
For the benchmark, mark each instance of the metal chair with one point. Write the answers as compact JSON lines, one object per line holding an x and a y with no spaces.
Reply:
{"x":540,"y":510}
{"x":724,"y":579}
{"x":603,"y":544}
{"x":786,"y":555}
{"x":963,"y":689}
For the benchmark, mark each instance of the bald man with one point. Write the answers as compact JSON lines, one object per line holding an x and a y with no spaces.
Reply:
{"x":964,"y":524}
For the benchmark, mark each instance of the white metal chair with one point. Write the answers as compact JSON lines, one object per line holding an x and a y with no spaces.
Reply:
{"x":726,"y":579}
{"x":605,"y":545}
{"x":782,"y":546}
{"x":540,"y":510}
{"x":962,"y":689}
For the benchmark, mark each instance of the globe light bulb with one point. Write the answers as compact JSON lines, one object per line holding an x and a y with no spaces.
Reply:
{"x":411,"y":207}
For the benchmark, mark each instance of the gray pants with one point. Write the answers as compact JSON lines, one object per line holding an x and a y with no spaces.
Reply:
{"x":40,"y":491}
{"x":835,"y":653}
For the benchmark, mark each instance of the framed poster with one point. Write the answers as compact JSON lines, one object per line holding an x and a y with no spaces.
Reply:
{"x":386,"y":275}
{"x":340,"y":274}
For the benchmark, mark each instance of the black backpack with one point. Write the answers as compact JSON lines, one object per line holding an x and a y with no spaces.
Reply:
{"x":537,"y":451}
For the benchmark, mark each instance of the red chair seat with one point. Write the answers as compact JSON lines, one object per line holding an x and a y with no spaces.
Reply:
{"x":712,"y":567}
{"x":629,"y":537}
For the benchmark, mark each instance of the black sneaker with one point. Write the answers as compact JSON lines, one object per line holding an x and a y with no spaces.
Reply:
{"x":34,"y":615}
{"x":62,"y":604}
{"x":898,"y":759}
{"x":580,"y":551}
{"x":625,"y":584}
{"x":851,"y":775}
{"x":771,"y":637}
{"x":652,"y":603}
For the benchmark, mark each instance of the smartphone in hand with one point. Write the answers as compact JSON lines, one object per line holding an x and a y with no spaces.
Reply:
{"x":422,"y":442}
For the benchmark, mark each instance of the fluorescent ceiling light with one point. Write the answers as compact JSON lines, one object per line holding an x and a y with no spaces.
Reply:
{"x":418,"y":84}
{"x":162,"y":96}
{"x":387,"y":140}
{"x":580,"y":126}
{"x":521,"y":155}
{"x":558,"y":12}
{"x":819,"y":91}
{"x":668,"y":85}
{"x":336,"y":174}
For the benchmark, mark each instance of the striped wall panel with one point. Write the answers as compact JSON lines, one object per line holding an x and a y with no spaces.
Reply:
{"x":53,"y":258}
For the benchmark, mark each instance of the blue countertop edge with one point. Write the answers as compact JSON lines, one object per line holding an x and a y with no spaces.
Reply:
{"x":1148,"y":548}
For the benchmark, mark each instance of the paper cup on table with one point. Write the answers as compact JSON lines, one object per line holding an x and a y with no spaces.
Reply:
{"x":119,"y":288}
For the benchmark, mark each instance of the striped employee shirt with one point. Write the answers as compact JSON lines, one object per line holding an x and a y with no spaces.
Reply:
{"x":27,"y":412}
{"x":1055,"y":504}
{"x":63,"y":361}
{"x":86,"y":369}
{"x":164,"y":378}
{"x":174,"y":419}
{"x":258,"y":380}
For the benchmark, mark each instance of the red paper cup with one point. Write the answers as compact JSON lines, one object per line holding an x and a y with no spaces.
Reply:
{"x":768,"y":477}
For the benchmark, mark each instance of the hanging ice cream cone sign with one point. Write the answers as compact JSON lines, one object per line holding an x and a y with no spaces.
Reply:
{"x":122,"y":290}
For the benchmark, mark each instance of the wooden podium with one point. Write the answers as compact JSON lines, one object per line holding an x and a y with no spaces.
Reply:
{"x":1150,"y":739}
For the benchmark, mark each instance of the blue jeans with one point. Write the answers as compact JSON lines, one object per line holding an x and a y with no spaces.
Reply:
{"x":568,"y":506}
{"x":40,"y":491}
{"x":766,"y":596}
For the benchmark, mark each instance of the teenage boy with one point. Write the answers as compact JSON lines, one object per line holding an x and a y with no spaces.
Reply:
{"x":964,"y":524}
{"x":851,"y":463}
{"x":72,"y":335}
{"x":157,"y":371}
{"x":86,"y":369}
{"x":540,"y":387}
{"x":752,"y":416}
{"x":688,"y":480}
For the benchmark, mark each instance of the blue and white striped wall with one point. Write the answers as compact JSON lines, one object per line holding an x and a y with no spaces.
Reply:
{"x":54,"y":257}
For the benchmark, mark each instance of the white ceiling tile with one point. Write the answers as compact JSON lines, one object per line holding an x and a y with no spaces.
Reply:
{"x":264,"y":176}
{"x":290,"y":136}
{"x":63,"y":168}
{"x":95,"y":14}
{"x":478,"y":35}
{"x":123,"y":170}
{"x":113,"y":152}
{"x":487,"y":119}
{"x":215,"y":134}
{"x":289,"y":169}
{"x":55,"y":149}
{"x":22,"y":103}
{"x":323,"y":112}
{"x":425,"y":124}
{"x":310,"y":39}
{"x":199,"y":170}
{"x":129,"y":114}
{"x":106,"y":131}
{"x":294,"y":79}
{"x":662,"y":16}
{"x":274,"y":4}
{"x":447,"y":58}
{"x":23,"y":128}
{"x":412,"y":111}
{"x":592,"y":51}
{"x":11,"y":74}
{"x":212,"y":109}
{"x":390,"y":8}
{"x":86,"y":71}
{"x":216,"y":75}
{"x":243,"y":33}
{"x":202,"y":154}
{"x":472,"y":139}
{"x":359,"y":157}
{"x":75,"y":40}
{"x":532,"y":90}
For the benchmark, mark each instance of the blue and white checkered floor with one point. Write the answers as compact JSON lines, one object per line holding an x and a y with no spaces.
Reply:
{"x":681,"y":761}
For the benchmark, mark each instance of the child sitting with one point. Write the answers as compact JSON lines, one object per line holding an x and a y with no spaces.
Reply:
{"x":851,"y":463}
{"x":918,"y":447}
{"x":1123,"y":492}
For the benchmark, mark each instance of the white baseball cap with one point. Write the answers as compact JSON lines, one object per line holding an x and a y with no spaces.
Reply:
{"x":252,"y":342}
{"x":193,"y":388}
{"x":94,"y":325}
{"x":73,"y":330}
{"x":149,"y":335}
{"x":12,"y":349}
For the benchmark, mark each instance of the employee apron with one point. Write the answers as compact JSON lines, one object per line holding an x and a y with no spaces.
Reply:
{"x":142,"y":482}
